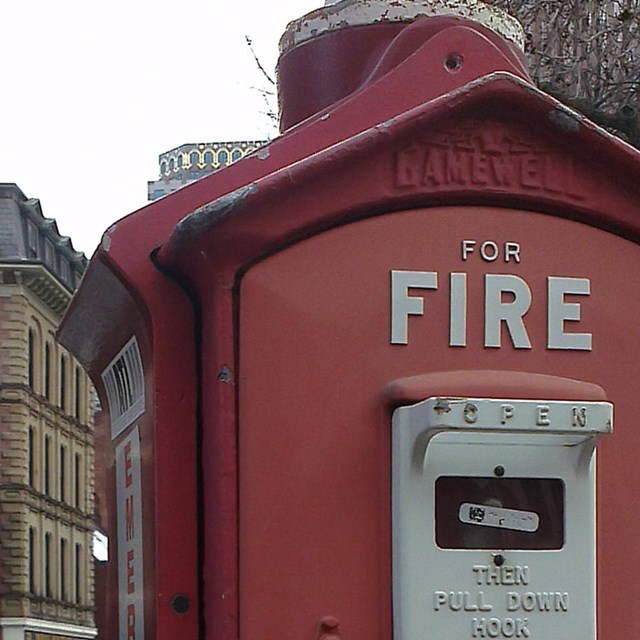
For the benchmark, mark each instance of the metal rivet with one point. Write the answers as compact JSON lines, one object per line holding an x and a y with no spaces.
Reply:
{"x":180,"y":603}
{"x":499,"y":471}
{"x":498,"y":560}
{"x":329,"y":623}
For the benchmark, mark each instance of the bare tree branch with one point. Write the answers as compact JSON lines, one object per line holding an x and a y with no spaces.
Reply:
{"x":267,"y":77}
{"x":587,"y":54}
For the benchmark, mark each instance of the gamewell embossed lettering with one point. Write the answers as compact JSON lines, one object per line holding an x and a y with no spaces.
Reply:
{"x":490,"y":159}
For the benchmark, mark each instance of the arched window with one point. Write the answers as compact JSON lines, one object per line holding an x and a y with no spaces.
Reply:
{"x":47,"y":371}
{"x":194,"y":158}
{"x":172,"y":164}
{"x":77,"y":474}
{"x":63,"y":383}
{"x":208,"y":157}
{"x":34,"y":356}
{"x":31,"y":560}
{"x":163,"y":167}
{"x":78,"y":576}
{"x":223,"y":158}
{"x":31,"y":453}
{"x":32,"y":359}
{"x":48,"y":592}
{"x":180,"y":158}
{"x":236,"y":155}
{"x":47,"y":464}
{"x":63,"y":569}
{"x":62,"y":473}
{"x":78,"y":394}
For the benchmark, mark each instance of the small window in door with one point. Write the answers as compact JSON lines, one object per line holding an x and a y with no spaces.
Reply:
{"x":499,"y":513}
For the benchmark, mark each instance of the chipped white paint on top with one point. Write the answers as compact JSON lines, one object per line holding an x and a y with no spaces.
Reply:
{"x":106,"y":238}
{"x":342,"y":14}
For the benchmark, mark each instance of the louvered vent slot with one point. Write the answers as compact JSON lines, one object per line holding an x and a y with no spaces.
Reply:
{"x":124,"y":383}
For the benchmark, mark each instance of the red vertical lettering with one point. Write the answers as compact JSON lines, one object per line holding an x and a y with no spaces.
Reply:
{"x":128,"y":518}
{"x":131,"y":622}
{"x":131,"y":586}
{"x":127,"y":465}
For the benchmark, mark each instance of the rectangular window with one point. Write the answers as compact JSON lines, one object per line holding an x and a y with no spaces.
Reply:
{"x":63,"y":383}
{"x":47,"y":566}
{"x":63,"y":569}
{"x":49,"y":253}
{"x":78,"y":396}
{"x":65,"y":270}
{"x":63,"y":474}
{"x":78,"y":565}
{"x":78,"y":478}
{"x":47,"y":464}
{"x":30,"y":446}
{"x":32,"y":241}
{"x":31,"y":358}
{"x":47,"y":371}
{"x":31,"y":561}
{"x":499,"y":513}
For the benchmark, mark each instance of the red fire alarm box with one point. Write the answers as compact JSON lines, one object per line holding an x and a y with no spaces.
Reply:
{"x":362,"y":383}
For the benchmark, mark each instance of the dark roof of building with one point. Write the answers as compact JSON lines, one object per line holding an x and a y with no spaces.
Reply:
{"x":27,"y":236}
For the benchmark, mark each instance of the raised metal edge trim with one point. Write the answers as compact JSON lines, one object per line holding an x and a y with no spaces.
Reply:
{"x":357,"y":13}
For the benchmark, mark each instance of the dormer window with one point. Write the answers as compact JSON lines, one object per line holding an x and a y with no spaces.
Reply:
{"x":49,"y":253}
{"x":32,"y":241}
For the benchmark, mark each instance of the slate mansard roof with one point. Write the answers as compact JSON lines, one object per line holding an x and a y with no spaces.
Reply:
{"x":27,"y":237}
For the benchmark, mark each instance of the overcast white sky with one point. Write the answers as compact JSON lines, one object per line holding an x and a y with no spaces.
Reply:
{"x":93,"y":92}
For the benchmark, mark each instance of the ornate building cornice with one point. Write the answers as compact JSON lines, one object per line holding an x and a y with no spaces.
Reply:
{"x":39,"y":279}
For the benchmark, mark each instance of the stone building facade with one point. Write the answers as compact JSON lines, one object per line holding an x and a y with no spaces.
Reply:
{"x":190,"y":162}
{"x":46,"y":435}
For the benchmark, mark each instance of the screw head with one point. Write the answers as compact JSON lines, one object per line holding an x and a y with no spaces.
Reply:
{"x":180,"y":603}
{"x":498,"y":560}
{"x":499,"y":471}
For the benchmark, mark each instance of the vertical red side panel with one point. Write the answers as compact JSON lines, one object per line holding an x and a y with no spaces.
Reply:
{"x":153,"y":452}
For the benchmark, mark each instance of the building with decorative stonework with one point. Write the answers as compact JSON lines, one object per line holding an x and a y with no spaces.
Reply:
{"x":46,"y":435}
{"x":190,"y":162}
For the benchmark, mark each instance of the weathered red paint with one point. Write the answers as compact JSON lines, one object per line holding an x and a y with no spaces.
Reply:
{"x":289,"y":272}
{"x":309,"y":80}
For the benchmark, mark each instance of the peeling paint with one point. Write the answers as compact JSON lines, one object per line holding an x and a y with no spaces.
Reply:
{"x":356,"y":13}
{"x":565,"y":119}
{"x":263,"y":153}
{"x":214,"y":212}
{"x":105,"y":243}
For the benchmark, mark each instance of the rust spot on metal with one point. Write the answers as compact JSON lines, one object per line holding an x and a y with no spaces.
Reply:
{"x":442,"y":406}
{"x":565,"y":119}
